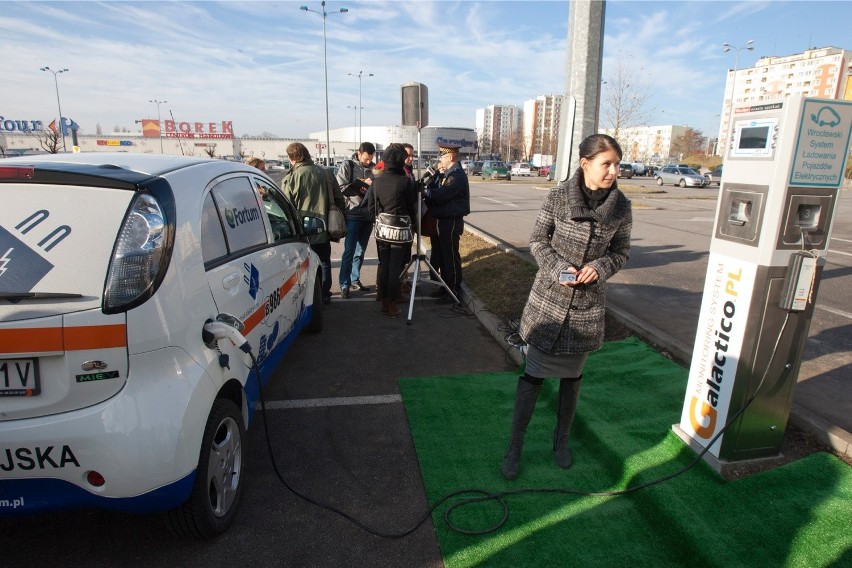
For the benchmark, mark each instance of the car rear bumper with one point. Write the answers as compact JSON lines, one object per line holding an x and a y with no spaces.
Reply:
{"x":144,"y":442}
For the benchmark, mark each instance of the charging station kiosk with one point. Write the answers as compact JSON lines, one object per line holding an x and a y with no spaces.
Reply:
{"x":783,"y":171}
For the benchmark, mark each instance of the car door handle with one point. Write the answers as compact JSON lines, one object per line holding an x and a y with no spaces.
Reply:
{"x":267,"y":254}
{"x":231,"y":280}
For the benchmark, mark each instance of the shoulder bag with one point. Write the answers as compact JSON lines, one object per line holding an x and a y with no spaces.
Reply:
{"x":335,"y":221}
{"x":392,"y":229}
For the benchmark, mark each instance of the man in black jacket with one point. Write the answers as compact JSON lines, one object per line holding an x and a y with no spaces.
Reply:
{"x":448,"y":199}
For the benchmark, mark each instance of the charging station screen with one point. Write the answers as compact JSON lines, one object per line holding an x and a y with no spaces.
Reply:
{"x":754,"y":138}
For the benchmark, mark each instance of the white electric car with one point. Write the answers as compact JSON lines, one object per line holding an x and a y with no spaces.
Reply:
{"x":115,"y":392}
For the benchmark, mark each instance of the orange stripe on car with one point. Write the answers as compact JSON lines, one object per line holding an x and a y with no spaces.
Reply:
{"x":56,"y":339}
{"x":253,"y":320}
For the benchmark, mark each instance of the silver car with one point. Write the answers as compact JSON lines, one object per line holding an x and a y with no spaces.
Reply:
{"x":679,"y":175}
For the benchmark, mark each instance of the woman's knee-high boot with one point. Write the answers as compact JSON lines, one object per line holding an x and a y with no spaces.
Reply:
{"x":525,"y":397}
{"x":569,"y":392}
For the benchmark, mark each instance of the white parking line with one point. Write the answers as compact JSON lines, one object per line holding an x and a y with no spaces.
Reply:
{"x":509,"y":203}
{"x":670,"y":201}
{"x":328,"y":402}
{"x":832,"y":251}
{"x":834,"y":311}
{"x":841,"y":240}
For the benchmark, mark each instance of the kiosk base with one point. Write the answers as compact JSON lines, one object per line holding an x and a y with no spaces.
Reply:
{"x":725,"y":468}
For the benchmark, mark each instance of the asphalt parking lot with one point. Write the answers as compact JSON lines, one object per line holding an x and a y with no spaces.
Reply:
{"x":339,"y":434}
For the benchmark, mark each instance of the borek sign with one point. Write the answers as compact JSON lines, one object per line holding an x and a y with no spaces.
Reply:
{"x":721,"y":325}
{"x":172,"y":129}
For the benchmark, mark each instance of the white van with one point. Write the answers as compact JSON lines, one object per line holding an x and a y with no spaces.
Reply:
{"x":115,"y":392}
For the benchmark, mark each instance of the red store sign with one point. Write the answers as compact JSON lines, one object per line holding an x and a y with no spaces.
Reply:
{"x":224,"y":129}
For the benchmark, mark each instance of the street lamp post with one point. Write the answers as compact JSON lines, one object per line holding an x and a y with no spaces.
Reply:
{"x":56,"y":83}
{"x":325,"y":15}
{"x":360,"y":108}
{"x":159,"y":120}
{"x":726,"y":48}
{"x":356,"y":109}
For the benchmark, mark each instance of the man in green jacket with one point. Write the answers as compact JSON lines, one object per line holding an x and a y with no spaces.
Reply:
{"x":306,"y":187}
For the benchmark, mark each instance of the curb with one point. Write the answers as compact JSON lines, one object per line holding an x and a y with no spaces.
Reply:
{"x":836,"y":438}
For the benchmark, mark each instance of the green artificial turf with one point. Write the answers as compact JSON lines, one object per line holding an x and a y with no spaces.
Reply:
{"x":796,"y":515}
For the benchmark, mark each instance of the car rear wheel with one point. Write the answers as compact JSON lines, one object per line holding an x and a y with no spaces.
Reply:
{"x":315,"y":326}
{"x":218,"y":484}
{"x":682,"y":183}
{"x":659,"y":181}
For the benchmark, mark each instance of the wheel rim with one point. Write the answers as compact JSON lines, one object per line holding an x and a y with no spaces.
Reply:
{"x":224,"y":467}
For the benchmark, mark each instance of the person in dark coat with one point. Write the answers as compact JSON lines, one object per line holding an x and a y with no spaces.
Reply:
{"x":583,"y":229}
{"x":392,"y":192}
{"x":448,"y":199}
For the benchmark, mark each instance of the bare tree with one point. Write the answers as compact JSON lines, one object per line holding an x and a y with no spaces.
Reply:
{"x":49,"y":140}
{"x":625,"y":97}
{"x":484,"y":144}
{"x":517,"y":147}
{"x":550,"y":144}
{"x":210,"y":151}
{"x":690,"y":143}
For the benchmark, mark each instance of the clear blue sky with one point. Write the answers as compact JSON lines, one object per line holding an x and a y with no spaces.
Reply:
{"x":260,"y":64}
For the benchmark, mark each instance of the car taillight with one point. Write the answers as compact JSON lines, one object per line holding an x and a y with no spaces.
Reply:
{"x":135,"y":268}
{"x":13,"y":172}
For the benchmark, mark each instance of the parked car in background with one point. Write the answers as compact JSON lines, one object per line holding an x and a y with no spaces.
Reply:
{"x":542,"y":171}
{"x":639,"y":169}
{"x":495,"y":169}
{"x":625,"y":170}
{"x":715,"y":176}
{"x":475,"y":168}
{"x":678,"y":175}
{"x":551,"y":172}
{"x":125,"y":386}
{"x":465,"y":164}
{"x":522,"y":169}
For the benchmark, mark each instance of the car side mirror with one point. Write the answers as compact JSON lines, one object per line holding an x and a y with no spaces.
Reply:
{"x":313,"y":225}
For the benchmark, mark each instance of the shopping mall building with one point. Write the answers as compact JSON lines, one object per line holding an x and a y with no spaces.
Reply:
{"x":216,"y":139}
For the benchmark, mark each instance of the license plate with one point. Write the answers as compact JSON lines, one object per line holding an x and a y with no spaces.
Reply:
{"x":19,"y":377}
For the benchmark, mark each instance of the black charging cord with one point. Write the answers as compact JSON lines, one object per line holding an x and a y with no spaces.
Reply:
{"x":500,"y":496}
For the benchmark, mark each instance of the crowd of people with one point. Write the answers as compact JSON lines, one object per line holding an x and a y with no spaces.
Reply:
{"x":364,"y":189}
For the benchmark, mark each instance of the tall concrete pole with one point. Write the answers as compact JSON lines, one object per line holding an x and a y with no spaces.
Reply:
{"x":584,"y":62}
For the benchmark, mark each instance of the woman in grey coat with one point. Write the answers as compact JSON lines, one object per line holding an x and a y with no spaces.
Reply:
{"x":582,"y":233}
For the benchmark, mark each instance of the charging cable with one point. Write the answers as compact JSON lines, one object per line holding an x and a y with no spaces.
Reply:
{"x":217,"y":330}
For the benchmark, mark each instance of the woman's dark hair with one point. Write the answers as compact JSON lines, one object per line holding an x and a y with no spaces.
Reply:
{"x":597,"y":143}
{"x":394,"y":156}
{"x":367,"y":147}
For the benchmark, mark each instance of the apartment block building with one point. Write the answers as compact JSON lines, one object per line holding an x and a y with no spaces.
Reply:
{"x":649,"y":144}
{"x":496,"y":127}
{"x":541,"y":124}
{"x":819,"y":72}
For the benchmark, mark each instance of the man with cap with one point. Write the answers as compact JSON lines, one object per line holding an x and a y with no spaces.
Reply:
{"x":448,"y":199}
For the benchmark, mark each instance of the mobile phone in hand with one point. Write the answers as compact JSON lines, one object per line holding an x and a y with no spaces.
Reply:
{"x":566,"y":276}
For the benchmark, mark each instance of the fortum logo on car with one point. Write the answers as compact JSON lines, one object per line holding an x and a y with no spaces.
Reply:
{"x":236,"y":217}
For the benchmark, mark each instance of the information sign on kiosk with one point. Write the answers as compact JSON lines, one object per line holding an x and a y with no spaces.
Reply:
{"x":774,"y":215}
